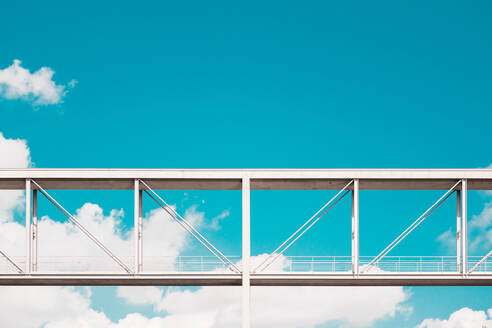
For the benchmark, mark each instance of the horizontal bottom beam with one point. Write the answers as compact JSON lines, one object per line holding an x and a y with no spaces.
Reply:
{"x":121,"y":280}
{"x":371,"y":280}
{"x":205,"y":279}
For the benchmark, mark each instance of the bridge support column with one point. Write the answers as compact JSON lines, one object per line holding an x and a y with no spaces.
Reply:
{"x":138,"y":227}
{"x":458,"y":231}
{"x":34,"y":230}
{"x":464,"y":239}
{"x":246,"y":252}
{"x":28,"y":226}
{"x":355,"y":228}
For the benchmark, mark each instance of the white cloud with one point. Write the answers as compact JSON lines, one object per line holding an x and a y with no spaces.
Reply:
{"x":27,"y":307}
{"x":216,"y":220}
{"x":484,"y":218}
{"x":16,"y":82}
{"x":14,"y":153}
{"x":219,"y":307}
{"x":448,"y":240}
{"x":140,"y":295}
{"x":463,"y":318}
{"x":481,"y":226}
{"x":63,"y":247}
{"x":288,"y":307}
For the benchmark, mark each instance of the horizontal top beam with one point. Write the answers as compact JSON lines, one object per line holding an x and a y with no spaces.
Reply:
{"x":261,"y":179}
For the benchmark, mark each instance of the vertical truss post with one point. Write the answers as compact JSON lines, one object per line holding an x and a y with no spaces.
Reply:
{"x":355,"y":228}
{"x":464,"y":241}
{"x":34,"y":230}
{"x":246,"y":250}
{"x":138,"y":228}
{"x":28,"y":226}
{"x":458,"y":231}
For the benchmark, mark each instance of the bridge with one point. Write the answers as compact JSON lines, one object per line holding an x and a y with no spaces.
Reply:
{"x":219,"y":269}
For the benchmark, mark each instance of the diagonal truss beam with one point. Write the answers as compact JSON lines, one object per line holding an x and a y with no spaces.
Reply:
{"x":189,"y":228}
{"x":284,"y":246}
{"x":480,"y":262}
{"x":74,"y":220}
{"x":11,"y":262}
{"x":414,"y":225}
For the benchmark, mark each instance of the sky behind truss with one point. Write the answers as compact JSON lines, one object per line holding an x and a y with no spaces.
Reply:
{"x":257,"y":85}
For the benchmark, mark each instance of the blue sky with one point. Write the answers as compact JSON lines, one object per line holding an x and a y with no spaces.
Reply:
{"x":264,"y":85}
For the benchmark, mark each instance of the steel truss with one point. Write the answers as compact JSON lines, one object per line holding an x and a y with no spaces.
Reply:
{"x":356,"y":270}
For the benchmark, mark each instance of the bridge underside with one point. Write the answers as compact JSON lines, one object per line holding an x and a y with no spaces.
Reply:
{"x":273,"y":279}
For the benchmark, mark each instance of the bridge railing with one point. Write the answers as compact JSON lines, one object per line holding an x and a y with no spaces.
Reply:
{"x":328,"y":264}
{"x":390,"y":264}
{"x":90,"y":264}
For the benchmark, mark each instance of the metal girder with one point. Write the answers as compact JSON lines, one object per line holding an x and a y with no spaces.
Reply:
{"x":414,"y":225}
{"x":233,"y":279}
{"x":277,"y":252}
{"x":261,"y":179}
{"x":74,"y":220}
{"x":138,"y":227}
{"x":355,"y":228}
{"x":189,"y":228}
{"x":246,"y":252}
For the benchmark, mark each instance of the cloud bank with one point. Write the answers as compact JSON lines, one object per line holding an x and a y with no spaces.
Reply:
{"x":463,"y":318}
{"x":17,"y":82}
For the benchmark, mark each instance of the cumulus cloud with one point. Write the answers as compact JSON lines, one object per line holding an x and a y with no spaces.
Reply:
{"x":305,"y":306}
{"x":63,"y":247}
{"x":219,"y":307}
{"x":17,"y":82}
{"x":448,"y":240}
{"x":216,"y":220}
{"x":27,"y":307}
{"x":140,"y":295}
{"x":481,"y":225}
{"x":463,"y":318}
{"x":14,"y":153}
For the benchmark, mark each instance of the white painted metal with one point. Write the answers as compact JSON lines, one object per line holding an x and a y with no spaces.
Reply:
{"x":479,"y":263}
{"x":401,"y":270}
{"x":355,"y":228}
{"x":34,"y":230}
{"x":414,"y":225}
{"x":138,"y":228}
{"x":81,"y":227}
{"x":28,"y":227}
{"x":464,"y":233}
{"x":19,"y":270}
{"x":278,"y":179}
{"x":283,"y":247}
{"x":246,"y":252}
{"x":458,"y":231}
{"x":188,"y":227}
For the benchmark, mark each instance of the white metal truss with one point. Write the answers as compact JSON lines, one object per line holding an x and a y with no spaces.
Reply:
{"x":303,"y":229}
{"x":443,"y":271}
{"x":479,"y":263}
{"x":189,"y":228}
{"x":412,"y":227}
{"x":77,"y":223}
{"x":19,"y":270}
